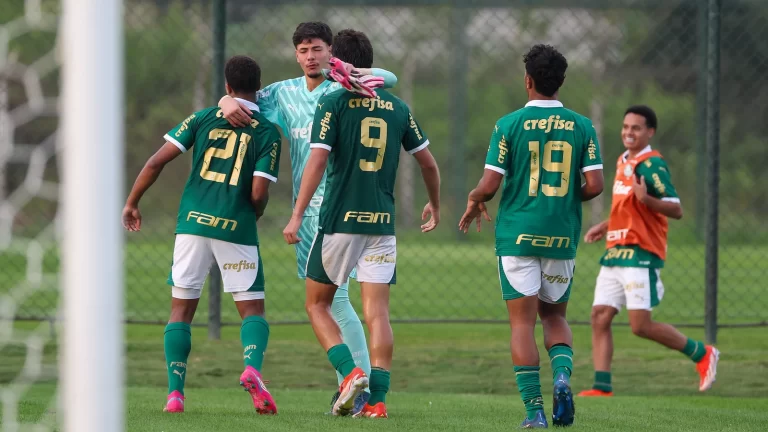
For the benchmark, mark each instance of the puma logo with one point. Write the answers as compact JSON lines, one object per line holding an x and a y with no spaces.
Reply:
{"x":247,"y":356}
{"x":180,"y":374}
{"x":496,"y":128}
{"x":320,"y":106}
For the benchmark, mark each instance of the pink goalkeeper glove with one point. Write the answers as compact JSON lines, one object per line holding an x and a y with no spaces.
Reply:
{"x":341,"y":73}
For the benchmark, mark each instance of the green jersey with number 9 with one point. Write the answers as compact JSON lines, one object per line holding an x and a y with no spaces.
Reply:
{"x":216,"y":202}
{"x":364,"y":136}
{"x":541,"y":149}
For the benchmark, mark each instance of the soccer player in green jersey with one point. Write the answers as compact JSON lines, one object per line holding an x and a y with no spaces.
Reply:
{"x":226,"y":192}
{"x":541,"y":152}
{"x":358,"y":139}
{"x":291,"y":104}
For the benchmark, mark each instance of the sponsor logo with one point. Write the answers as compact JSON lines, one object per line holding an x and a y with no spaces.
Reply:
{"x":371,"y":104}
{"x":325,"y":125}
{"x":620,"y":188}
{"x":553,"y":122}
{"x":184,"y":125}
{"x":304,"y":132}
{"x":555,"y":278}
{"x":544,"y":241}
{"x":415,"y":127}
{"x":617,"y":253}
{"x":212,"y":221}
{"x":368,"y":217}
{"x":380,"y":259}
{"x":242,"y":265}
{"x":592,"y":150}
{"x":502,"y":149}
{"x":618,"y":234}
{"x":273,"y":154}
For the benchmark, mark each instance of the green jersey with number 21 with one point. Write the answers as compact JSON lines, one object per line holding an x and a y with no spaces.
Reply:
{"x":541,"y":149}
{"x":216,"y":202}
{"x":364,"y":137}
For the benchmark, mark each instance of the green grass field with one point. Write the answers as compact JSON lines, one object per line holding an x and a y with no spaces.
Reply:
{"x":436,"y":281}
{"x":444,"y":377}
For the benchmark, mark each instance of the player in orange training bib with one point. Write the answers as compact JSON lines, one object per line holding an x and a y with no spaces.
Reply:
{"x":636,"y":247}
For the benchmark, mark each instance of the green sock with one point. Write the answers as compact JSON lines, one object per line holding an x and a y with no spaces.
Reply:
{"x":341,"y":359}
{"x":528,"y":384}
{"x":695,"y":350}
{"x":561,"y":359}
{"x":603,"y":381}
{"x":254,"y":334}
{"x":177,"y":341}
{"x":379,"y":385}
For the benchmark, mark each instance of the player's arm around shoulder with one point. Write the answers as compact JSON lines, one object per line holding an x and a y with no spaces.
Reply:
{"x":653,"y":187}
{"x":591,"y":163}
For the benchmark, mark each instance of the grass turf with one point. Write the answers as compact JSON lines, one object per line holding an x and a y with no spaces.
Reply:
{"x":444,"y":377}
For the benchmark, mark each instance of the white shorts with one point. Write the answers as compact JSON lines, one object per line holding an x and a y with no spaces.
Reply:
{"x":637,"y":287}
{"x":550,"y":279}
{"x":240,"y":265}
{"x":334,"y":256}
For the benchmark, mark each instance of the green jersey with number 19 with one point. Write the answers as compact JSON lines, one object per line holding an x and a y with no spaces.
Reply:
{"x":541,"y":149}
{"x":364,"y":136}
{"x":216,"y":201}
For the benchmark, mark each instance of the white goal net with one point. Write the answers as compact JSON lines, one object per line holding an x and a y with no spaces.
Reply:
{"x":61,"y":165}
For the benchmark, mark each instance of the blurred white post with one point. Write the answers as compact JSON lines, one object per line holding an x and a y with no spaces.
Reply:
{"x":92,"y":199}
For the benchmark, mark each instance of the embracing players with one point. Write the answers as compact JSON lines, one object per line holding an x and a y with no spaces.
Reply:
{"x":358,"y":139}
{"x":291,"y":105}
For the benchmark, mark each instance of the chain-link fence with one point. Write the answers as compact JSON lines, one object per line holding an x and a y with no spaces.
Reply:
{"x":460,"y":68}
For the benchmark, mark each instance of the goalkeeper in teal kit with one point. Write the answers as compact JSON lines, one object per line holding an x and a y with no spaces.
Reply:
{"x":291,"y":105}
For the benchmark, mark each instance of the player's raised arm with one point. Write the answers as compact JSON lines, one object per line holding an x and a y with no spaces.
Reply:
{"x":592,"y":167}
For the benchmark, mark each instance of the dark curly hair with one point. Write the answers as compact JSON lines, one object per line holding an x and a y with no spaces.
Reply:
{"x":353,"y":47}
{"x":243,"y":74}
{"x":546,"y":67}
{"x":643,"y":110}
{"x":307,"y":31}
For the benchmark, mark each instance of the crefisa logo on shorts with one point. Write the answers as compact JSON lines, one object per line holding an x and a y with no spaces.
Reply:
{"x":242,"y":265}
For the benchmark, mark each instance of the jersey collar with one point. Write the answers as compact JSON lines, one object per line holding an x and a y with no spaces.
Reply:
{"x":643,"y":151}
{"x":542,"y":103}
{"x":251,"y":106}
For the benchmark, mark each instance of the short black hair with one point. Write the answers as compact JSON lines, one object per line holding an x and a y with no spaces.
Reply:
{"x":312,"y":30}
{"x":643,"y":110}
{"x":243,"y":74}
{"x":546,"y":66}
{"x":353,"y":47}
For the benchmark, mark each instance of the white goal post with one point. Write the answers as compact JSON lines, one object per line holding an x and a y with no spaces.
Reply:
{"x":92,"y":366}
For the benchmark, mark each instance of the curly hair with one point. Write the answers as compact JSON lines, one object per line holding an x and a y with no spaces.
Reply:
{"x":546,"y":67}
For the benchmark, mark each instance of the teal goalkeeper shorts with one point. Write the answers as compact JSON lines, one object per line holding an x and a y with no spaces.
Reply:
{"x":307,"y":233}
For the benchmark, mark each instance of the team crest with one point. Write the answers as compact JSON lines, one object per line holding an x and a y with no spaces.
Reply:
{"x":628,"y":171}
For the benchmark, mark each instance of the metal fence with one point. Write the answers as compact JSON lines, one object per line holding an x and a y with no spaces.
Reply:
{"x":699,"y":64}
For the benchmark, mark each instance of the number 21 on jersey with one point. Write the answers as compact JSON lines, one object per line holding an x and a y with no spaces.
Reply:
{"x":225,"y":153}
{"x":548,"y":164}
